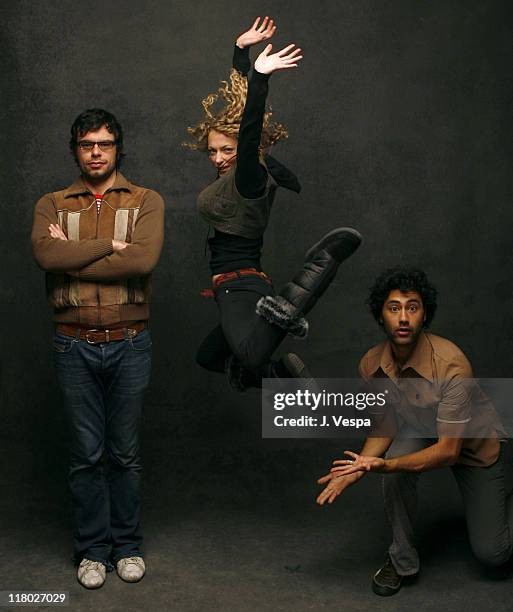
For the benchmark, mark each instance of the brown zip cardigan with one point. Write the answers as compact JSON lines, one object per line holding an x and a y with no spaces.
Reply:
{"x":88,"y":283}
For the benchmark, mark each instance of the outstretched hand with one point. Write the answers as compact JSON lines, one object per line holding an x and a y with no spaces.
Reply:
{"x":335,"y":485}
{"x":358,"y":463}
{"x":267,"y":62}
{"x":257,"y":33}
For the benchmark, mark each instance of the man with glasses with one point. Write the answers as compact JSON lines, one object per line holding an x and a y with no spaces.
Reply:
{"x":98,"y":241}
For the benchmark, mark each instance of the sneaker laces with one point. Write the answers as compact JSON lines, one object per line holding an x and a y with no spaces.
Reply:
{"x":134,"y":560}
{"x":91,"y":565}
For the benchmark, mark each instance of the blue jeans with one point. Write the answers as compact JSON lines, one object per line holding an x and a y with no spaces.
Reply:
{"x":103,"y":387}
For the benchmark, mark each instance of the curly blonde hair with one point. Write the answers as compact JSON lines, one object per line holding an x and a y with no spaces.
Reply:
{"x":227,"y":120}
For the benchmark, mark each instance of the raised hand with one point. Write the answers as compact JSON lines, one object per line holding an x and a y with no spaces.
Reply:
{"x":358,"y":463}
{"x":267,"y":62}
{"x":56,"y":231}
{"x":257,"y":33}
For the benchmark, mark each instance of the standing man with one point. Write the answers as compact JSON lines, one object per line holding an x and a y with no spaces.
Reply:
{"x":436,"y":400}
{"x":98,"y":241}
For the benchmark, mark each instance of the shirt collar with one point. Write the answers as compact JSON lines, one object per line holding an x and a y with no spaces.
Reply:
{"x":79,"y":188}
{"x":421,"y":360}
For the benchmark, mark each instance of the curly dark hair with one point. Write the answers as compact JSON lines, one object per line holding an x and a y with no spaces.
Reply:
{"x":404,"y":279}
{"x":93,"y":119}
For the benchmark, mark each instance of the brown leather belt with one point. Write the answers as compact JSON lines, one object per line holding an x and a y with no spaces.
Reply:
{"x":98,"y":336}
{"x":227,"y":276}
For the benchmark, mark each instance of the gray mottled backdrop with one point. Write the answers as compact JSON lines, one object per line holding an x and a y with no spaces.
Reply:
{"x":400,"y":125}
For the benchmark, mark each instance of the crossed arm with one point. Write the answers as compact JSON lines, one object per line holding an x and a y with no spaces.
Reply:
{"x":56,"y":255}
{"x":99,"y":259}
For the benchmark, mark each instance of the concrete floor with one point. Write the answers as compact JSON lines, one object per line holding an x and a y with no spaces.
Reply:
{"x":230,"y":548}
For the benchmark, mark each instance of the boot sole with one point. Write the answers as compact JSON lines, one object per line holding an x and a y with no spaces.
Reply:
{"x":387,"y":591}
{"x":384,"y":591}
{"x":296,"y":366}
{"x":348,"y":231}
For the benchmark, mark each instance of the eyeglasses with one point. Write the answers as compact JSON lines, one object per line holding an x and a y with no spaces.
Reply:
{"x":103,"y":145}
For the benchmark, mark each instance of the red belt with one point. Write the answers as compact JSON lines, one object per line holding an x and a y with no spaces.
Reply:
{"x":98,"y":336}
{"x":228,"y":276}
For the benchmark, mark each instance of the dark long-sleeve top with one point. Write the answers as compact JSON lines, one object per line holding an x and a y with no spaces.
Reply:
{"x":230,"y":252}
{"x":250,"y":176}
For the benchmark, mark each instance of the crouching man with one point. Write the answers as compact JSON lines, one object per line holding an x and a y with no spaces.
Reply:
{"x":441,"y":404}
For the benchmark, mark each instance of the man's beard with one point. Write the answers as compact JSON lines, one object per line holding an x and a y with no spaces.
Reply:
{"x":96,"y":178}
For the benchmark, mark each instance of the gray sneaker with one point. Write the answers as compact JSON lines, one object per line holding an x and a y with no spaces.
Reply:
{"x":91,"y":574}
{"x":131,"y":569}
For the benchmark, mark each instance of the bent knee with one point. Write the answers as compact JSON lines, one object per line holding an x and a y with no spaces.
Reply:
{"x":252,"y":365}
{"x":248,"y":360}
{"x":491,"y":556}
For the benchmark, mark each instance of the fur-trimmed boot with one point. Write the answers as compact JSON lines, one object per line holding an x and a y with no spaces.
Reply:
{"x":297,"y":298}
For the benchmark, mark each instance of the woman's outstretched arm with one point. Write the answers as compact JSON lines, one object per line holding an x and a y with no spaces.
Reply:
{"x":250,"y":175}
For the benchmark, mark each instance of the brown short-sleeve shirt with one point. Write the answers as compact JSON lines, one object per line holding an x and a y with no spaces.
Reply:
{"x":442,"y":396}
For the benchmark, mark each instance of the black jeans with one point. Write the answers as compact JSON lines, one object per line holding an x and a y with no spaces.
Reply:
{"x":242,"y":333}
{"x":103,"y":387}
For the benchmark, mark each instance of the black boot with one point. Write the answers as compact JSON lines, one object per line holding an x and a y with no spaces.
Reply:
{"x":298,"y":297}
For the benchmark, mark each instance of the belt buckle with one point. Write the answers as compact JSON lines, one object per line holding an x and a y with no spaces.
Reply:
{"x":131,"y":333}
{"x":90,"y":331}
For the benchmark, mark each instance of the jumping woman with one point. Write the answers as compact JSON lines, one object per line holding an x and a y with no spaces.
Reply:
{"x":237,"y":205}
